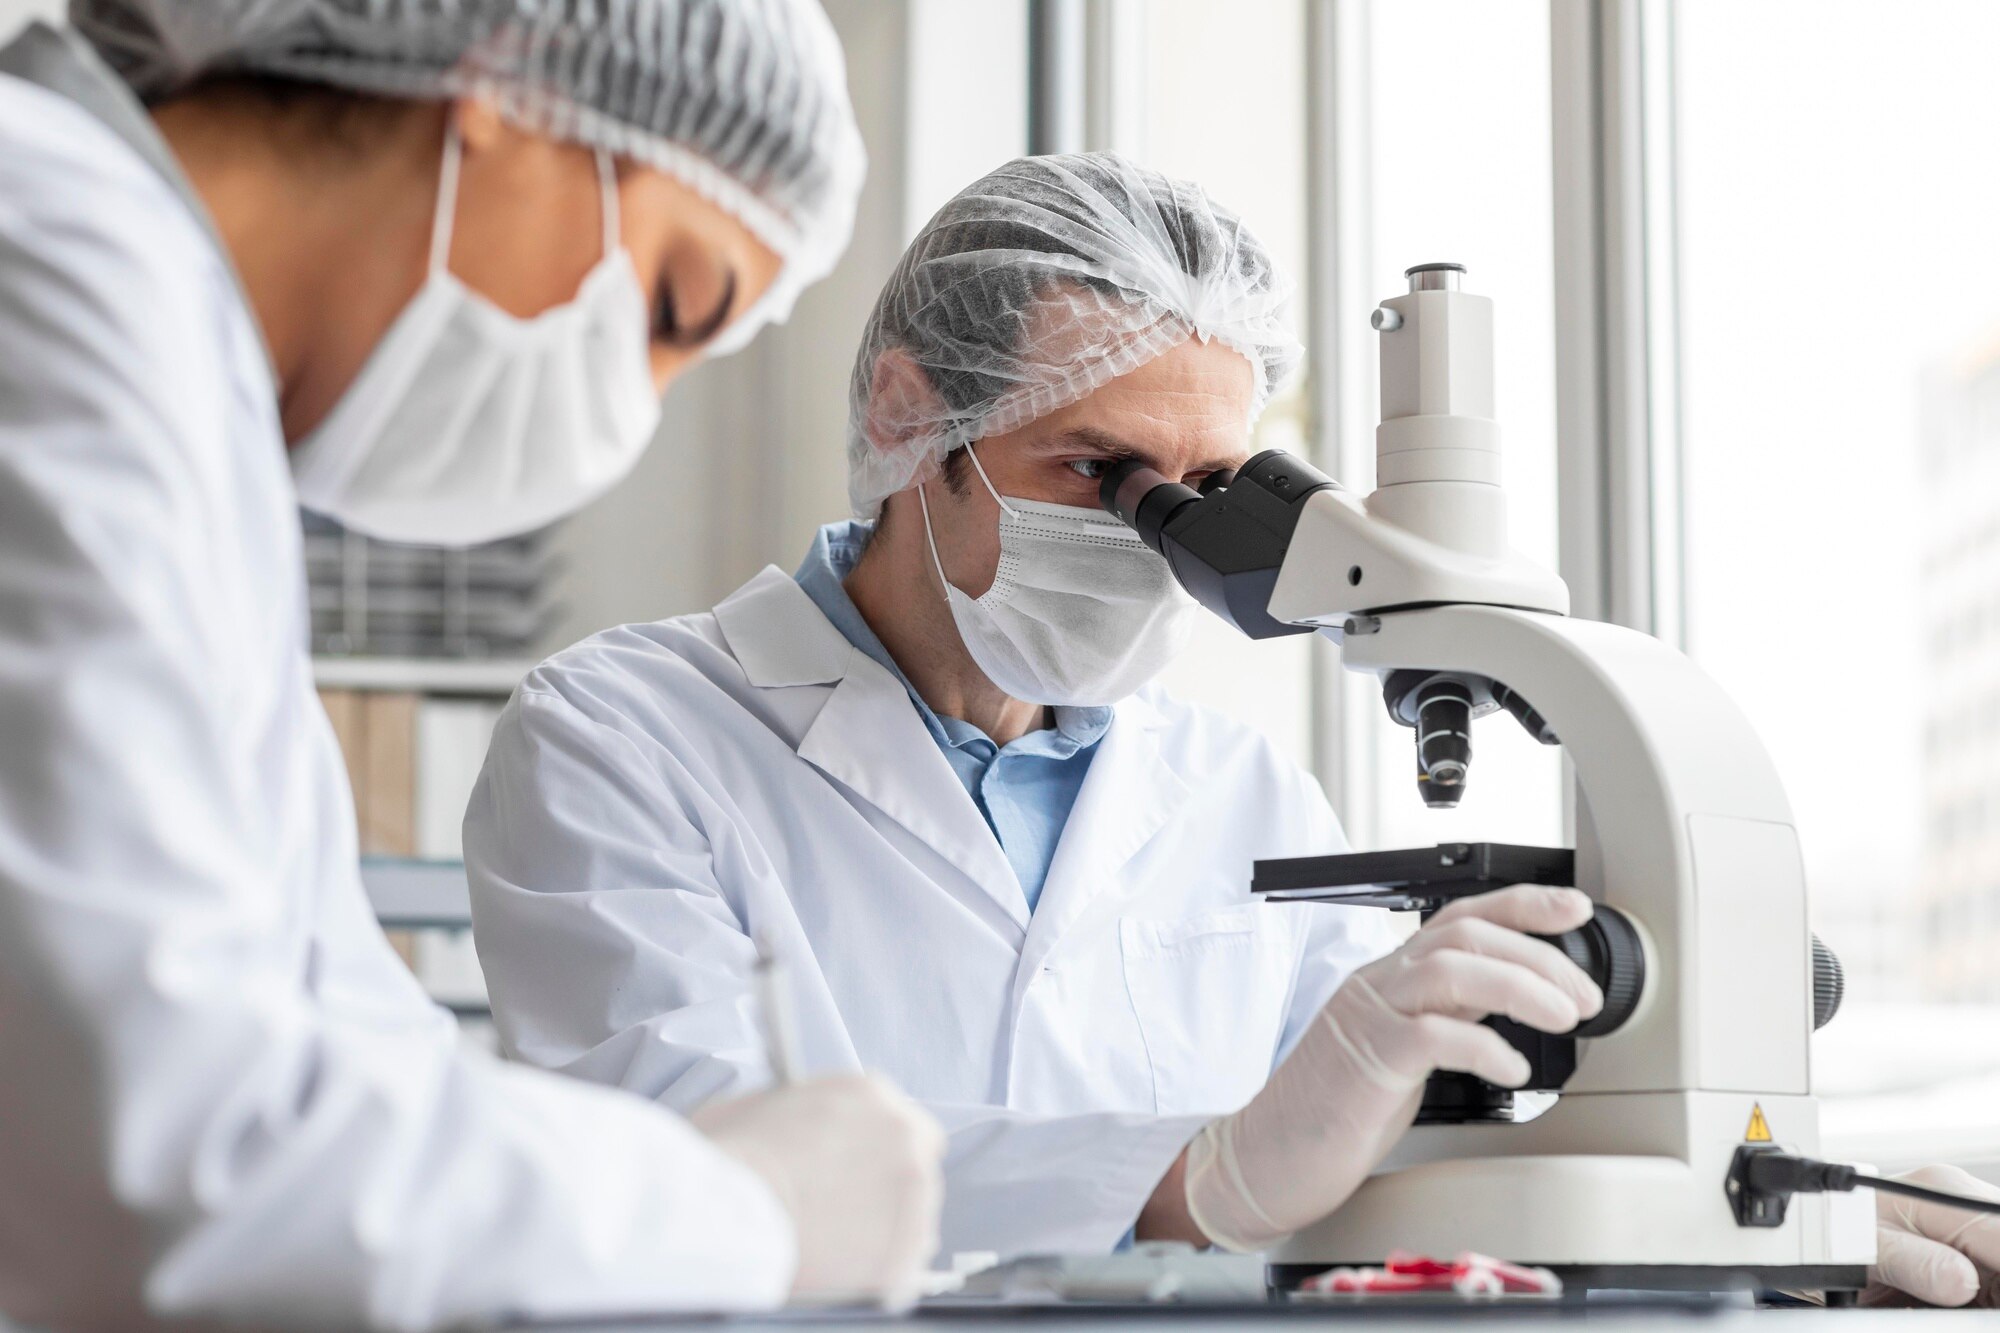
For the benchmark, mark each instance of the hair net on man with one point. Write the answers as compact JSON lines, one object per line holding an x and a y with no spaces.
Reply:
{"x":745,"y":101}
{"x":1035,"y":286}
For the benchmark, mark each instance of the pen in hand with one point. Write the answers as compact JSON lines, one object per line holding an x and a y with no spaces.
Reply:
{"x":781,"y":1049}
{"x":774,"y":1006}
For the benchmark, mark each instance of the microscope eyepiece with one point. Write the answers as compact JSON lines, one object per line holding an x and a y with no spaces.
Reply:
{"x":1143,"y":498}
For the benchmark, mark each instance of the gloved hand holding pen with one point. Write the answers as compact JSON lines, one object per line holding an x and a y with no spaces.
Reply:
{"x":1352,"y":1085}
{"x":858,"y":1166}
{"x":856,"y":1163}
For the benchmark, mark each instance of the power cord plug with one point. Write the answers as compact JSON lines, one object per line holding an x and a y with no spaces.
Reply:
{"x":1763,"y":1178}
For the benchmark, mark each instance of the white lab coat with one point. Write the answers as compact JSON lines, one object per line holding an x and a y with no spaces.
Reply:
{"x":221,"y":1094}
{"x":660,"y":794}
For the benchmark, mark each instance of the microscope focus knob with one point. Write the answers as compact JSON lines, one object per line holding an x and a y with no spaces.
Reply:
{"x":1829,"y":984}
{"x":1607,"y":947}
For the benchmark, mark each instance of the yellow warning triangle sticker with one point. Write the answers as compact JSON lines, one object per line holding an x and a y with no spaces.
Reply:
{"x":1760,"y":1128}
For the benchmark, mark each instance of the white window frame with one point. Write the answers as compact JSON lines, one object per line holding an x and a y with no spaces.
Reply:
{"x":1342,"y":385}
{"x":1617,"y":271}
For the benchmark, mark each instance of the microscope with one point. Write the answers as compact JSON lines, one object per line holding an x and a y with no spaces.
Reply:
{"x":1633,"y":1177}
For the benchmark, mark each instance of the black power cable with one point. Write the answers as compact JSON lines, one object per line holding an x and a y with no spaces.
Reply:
{"x":1932,"y":1196}
{"x":1784,"y":1174}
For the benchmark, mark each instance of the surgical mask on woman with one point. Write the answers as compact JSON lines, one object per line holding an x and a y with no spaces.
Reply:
{"x":1081,"y":611}
{"x":468,"y":424}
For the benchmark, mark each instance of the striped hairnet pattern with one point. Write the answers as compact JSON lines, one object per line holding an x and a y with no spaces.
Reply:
{"x":744,"y":100}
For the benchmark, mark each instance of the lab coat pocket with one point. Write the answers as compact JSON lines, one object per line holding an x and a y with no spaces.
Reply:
{"x":1210,"y":993}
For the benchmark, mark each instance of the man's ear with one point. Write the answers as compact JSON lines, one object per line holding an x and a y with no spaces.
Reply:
{"x":904,"y":410}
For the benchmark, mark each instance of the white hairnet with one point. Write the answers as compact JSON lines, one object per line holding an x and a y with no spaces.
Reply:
{"x":1035,"y":286}
{"x":743,"y":100}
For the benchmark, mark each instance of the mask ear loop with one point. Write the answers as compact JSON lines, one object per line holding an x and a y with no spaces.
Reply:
{"x":447,"y":198}
{"x":944,"y":584}
{"x":924,"y":504}
{"x":607,"y":183}
{"x":973,"y":454}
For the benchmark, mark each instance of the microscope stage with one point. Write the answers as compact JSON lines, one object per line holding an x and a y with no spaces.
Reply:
{"x":1415,"y":878}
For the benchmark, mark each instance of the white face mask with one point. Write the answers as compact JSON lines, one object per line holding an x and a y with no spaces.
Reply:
{"x":468,"y":424}
{"x":1081,"y":611}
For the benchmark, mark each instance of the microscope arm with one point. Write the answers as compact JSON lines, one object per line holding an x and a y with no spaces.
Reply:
{"x":1682,"y":823}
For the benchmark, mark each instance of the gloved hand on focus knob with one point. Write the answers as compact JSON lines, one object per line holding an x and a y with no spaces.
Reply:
{"x":1352,"y":1084}
{"x":859,"y":1167}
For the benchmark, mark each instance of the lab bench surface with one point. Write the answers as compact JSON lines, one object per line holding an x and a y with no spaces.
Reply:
{"x":1189,"y":1318}
{"x":1520,"y":1318}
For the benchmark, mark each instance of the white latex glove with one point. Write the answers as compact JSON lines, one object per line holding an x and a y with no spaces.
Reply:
{"x":1934,"y":1255}
{"x":1351,"y":1086}
{"x":858,"y":1165}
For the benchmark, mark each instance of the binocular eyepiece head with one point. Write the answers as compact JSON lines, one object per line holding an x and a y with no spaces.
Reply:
{"x":1225,"y":540}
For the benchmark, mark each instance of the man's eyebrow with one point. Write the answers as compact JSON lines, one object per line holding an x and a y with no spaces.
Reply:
{"x":1091,"y":439}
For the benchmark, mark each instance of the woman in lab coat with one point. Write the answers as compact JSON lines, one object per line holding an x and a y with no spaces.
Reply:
{"x":446,"y":257}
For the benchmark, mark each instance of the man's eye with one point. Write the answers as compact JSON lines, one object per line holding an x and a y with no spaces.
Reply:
{"x":1092,"y":468}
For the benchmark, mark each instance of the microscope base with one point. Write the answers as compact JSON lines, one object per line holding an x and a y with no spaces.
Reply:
{"x":1656,"y":1220}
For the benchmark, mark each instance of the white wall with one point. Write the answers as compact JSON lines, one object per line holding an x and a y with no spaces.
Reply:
{"x":967,"y":66}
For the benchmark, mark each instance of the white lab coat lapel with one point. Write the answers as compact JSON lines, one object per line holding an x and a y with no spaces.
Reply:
{"x":1130,"y":794}
{"x":868,"y":736}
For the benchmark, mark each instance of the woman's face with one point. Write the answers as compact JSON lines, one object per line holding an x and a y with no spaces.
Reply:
{"x":528,"y":229}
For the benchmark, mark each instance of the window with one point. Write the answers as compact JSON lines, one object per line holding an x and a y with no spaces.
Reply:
{"x":1841,"y":412}
{"x":1839,"y":402}
{"x":1810,"y":307}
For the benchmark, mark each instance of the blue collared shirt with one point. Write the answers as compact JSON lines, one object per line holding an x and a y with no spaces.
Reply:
{"x":1025,"y":788}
